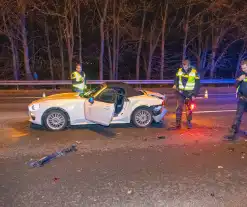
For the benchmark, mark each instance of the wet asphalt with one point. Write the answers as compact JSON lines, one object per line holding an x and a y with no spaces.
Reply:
{"x":124,"y":166}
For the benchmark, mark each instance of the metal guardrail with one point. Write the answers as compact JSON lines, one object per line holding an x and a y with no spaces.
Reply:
{"x":134,"y":82}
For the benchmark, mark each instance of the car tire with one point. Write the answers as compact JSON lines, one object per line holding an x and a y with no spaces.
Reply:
{"x":55,"y":120}
{"x":142,"y":117}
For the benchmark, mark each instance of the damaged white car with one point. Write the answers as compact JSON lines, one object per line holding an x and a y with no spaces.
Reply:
{"x":109,"y":103}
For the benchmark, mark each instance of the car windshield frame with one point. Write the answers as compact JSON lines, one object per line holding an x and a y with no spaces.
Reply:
{"x":93,"y":92}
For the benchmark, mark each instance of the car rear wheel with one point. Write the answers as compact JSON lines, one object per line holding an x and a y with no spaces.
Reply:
{"x":55,"y":120}
{"x":142,"y":117}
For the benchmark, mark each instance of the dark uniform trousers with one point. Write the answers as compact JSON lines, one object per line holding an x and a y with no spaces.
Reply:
{"x":241,"y":108}
{"x":179,"y":110}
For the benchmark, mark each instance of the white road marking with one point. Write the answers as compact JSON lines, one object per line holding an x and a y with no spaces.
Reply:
{"x":216,"y":111}
{"x":28,"y":97}
{"x":14,"y":117}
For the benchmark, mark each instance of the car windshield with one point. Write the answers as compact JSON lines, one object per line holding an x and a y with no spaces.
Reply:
{"x":91,"y":92}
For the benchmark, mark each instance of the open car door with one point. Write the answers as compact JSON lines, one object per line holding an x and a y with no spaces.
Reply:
{"x":101,"y":111}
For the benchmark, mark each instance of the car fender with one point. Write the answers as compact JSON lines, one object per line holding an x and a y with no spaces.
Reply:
{"x":138,"y":107}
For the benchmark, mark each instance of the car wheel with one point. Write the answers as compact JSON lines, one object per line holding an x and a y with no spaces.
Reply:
{"x":142,"y":117}
{"x":55,"y":120}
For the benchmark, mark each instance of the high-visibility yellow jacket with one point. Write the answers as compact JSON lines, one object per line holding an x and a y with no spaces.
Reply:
{"x":188,"y":81}
{"x":242,"y":86}
{"x":78,"y":81}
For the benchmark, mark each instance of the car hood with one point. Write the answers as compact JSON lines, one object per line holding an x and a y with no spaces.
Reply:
{"x":60,"y":96}
{"x":154,"y":94}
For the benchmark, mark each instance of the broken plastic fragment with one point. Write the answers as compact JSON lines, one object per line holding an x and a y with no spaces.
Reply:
{"x":161,"y":137}
{"x":55,"y":179}
{"x":220,"y":167}
{"x":129,"y":192}
{"x":231,"y":149}
{"x":48,"y":158}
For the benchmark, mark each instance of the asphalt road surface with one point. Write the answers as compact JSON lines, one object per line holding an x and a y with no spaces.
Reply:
{"x":122,"y":165}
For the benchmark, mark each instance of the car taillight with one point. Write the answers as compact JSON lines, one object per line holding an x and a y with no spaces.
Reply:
{"x":163,"y":103}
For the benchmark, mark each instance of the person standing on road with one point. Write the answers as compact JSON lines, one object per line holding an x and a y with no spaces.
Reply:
{"x":187,"y":85}
{"x":78,"y":78}
{"x":241,"y":83}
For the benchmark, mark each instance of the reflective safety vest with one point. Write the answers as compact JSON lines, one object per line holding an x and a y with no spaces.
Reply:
{"x":245,"y":80}
{"x":78,"y":80}
{"x":192,"y":76}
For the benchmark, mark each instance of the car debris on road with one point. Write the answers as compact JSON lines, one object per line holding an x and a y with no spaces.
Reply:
{"x":48,"y":158}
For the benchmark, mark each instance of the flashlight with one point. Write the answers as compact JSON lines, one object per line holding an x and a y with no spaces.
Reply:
{"x":190,"y":104}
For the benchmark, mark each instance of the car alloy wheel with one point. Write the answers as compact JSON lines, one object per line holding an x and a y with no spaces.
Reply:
{"x":143,"y":118}
{"x":56,"y":120}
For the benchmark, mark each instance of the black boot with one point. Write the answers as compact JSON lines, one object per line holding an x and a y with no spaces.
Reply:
{"x":189,"y":125}
{"x":177,"y":126}
{"x":232,"y":134}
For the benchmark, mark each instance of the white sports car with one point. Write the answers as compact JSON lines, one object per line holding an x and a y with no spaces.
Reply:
{"x":109,"y":103}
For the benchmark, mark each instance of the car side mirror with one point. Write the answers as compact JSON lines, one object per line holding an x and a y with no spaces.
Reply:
{"x":91,"y":100}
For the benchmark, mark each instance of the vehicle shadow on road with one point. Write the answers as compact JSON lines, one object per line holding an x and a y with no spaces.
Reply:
{"x":110,"y":132}
{"x":107,"y":132}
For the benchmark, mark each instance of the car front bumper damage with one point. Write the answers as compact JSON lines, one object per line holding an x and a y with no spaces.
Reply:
{"x":159,"y":114}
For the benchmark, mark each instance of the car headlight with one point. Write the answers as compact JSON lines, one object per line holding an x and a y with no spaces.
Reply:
{"x":34,"y":107}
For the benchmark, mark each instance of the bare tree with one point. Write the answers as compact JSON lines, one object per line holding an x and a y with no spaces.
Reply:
{"x":69,"y":13}
{"x":109,"y":53}
{"x":145,"y":9}
{"x":154,"y":37}
{"x":164,"y":13}
{"x":61,"y":46}
{"x":22,"y":6}
{"x":242,"y":54}
{"x":79,"y":29}
{"x":49,"y":49}
{"x":118,"y":19}
{"x":186,"y":30}
{"x":9,"y":31}
{"x":102,"y":16}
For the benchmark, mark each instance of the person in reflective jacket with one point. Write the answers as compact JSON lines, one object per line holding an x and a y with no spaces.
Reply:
{"x":78,"y":78}
{"x":187,"y":85}
{"x":241,"y":84}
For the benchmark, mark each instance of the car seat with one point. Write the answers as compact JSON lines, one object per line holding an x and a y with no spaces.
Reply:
{"x":119,"y":102}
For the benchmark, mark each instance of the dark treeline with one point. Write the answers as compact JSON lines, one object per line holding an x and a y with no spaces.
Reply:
{"x":120,"y":39}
